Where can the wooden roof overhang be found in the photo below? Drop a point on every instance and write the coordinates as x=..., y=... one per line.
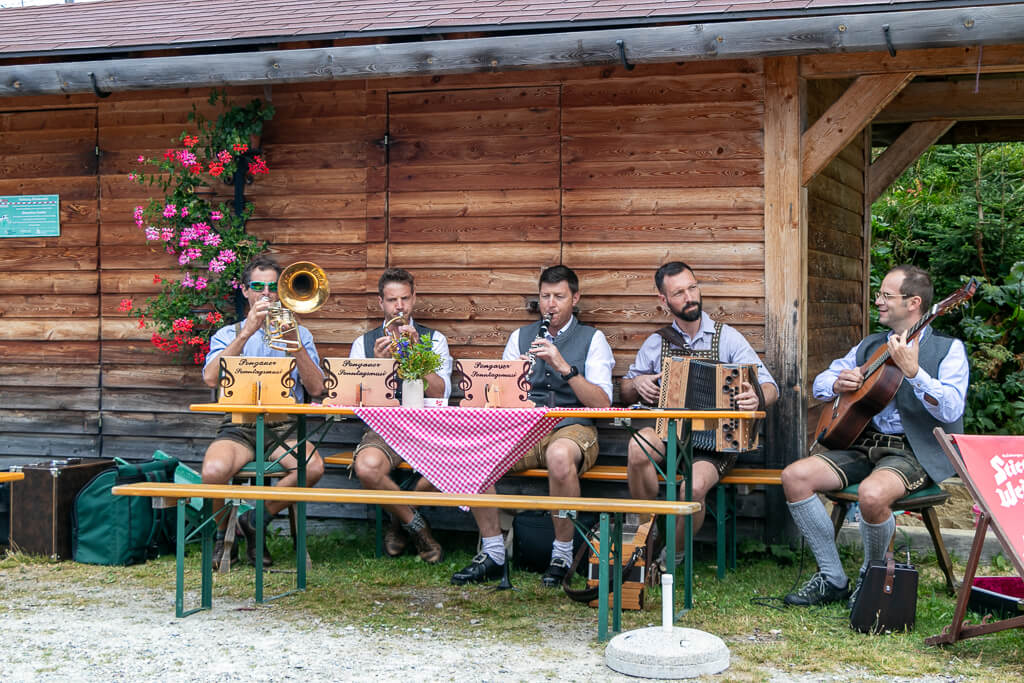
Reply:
x=836, y=35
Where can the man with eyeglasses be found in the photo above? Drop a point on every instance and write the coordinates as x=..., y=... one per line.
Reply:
x=694, y=334
x=235, y=444
x=896, y=454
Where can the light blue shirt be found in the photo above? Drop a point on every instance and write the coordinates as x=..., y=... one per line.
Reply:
x=599, y=364
x=732, y=348
x=438, y=342
x=948, y=389
x=257, y=347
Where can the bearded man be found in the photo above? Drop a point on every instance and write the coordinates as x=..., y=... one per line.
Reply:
x=694, y=334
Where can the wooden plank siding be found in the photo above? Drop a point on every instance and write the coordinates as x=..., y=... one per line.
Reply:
x=474, y=183
x=49, y=298
x=836, y=247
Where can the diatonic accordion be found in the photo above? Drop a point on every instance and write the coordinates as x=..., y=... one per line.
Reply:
x=696, y=384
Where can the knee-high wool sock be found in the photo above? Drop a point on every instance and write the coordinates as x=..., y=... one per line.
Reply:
x=814, y=523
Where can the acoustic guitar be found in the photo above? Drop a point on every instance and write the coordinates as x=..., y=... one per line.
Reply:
x=841, y=424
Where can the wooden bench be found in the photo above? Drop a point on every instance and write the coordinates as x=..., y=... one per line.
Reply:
x=724, y=509
x=181, y=493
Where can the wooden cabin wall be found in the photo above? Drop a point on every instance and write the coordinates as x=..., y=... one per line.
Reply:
x=836, y=248
x=474, y=183
x=49, y=301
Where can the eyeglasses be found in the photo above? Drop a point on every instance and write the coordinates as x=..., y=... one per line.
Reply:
x=258, y=286
x=886, y=296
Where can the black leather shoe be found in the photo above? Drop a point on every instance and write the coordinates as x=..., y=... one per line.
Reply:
x=818, y=591
x=249, y=531
x=555, y=573
x=481, y=569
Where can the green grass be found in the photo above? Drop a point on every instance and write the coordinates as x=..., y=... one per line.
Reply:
x=348, y=585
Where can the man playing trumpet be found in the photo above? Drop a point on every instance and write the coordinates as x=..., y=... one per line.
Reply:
x=235, y=444
x=374, y=459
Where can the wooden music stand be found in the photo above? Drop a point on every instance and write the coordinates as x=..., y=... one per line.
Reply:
x=494, y=383
x=975, y=462
x=251, y=380
x=360, y=381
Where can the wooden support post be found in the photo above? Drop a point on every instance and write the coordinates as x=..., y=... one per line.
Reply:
x=901, y=154
x=785, y=270
x=846, y=118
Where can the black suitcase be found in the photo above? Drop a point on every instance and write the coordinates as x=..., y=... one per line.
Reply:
x=42, y=502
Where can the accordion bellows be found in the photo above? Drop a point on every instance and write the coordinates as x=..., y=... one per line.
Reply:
x=695, y=384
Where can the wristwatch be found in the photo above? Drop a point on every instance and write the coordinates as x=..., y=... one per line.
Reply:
x=573, y=371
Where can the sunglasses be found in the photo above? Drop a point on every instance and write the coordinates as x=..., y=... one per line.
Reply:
x=258, y=286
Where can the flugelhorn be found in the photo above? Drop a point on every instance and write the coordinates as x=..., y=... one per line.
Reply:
x=392, y=328
x=301, y=288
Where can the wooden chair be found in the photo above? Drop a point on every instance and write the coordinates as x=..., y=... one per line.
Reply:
x=923, y=502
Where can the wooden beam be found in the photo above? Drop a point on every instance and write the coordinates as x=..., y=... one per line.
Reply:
x=963, y=100
x=932, y=28
x=785, y=267
x=965, y=59
x=901, y=154
x=846, y=118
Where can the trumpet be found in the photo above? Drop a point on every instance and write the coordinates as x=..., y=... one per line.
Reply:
x=301, y=288
x=392, y=328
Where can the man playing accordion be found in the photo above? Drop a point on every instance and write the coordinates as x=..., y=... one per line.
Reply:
x=694, y=334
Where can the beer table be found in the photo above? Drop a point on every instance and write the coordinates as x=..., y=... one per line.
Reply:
x=434, y=462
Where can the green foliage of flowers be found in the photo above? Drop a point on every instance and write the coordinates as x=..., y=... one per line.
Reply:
x=416, y=360
x=959, y=212
x=209, y=240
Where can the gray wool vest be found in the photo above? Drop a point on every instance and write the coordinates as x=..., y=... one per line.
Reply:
x=918, y=423
x=547, y=386
x=371, y=337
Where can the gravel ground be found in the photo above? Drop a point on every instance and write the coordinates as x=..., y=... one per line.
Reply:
x=113, y=633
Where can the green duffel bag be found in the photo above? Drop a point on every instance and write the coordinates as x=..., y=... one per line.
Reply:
x=122, y=530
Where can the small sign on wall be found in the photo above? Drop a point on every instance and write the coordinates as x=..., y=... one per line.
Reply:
x=30, y=215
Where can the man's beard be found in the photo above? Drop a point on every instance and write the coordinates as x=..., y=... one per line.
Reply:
x=688, y=315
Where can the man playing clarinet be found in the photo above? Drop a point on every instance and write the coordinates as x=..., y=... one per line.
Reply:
x=572, y=367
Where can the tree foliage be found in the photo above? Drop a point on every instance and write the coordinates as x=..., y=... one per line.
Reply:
x=959, y=212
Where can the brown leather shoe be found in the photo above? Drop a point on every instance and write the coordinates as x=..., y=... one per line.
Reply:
x=429, y=550
x=218, y=553
x=245, y=523
x=395, y=539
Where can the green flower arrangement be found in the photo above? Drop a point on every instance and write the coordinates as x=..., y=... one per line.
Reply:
x=416, y=361
x=209, y=240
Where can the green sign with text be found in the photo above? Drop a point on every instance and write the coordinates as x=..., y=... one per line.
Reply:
x=30, y=215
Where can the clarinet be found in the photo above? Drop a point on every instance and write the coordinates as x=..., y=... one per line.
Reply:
x=542, y=333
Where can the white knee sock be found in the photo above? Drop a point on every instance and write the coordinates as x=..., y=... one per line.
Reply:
x=814, y=523
x=494, y=546
x=562, y=549
x=876, y=539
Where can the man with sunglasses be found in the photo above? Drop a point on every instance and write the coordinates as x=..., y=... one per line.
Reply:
x=235, y=444
x=896, y=454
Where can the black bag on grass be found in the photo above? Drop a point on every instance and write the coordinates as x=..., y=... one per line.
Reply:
x=122, y=530
x=533, y=534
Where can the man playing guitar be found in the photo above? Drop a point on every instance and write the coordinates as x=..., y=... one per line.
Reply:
x=895, y=454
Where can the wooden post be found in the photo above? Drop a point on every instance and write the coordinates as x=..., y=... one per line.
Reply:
x=785, y=272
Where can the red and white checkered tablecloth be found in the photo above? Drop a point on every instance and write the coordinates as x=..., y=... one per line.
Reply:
x=460, y=450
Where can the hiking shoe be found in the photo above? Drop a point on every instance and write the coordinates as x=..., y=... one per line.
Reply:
x=663, y=561
x=555, y=573
x=481, y=569
x=856, y=589
x=818, y=591
x=249, y=531
x=429, y=550
x=218, y=553
x=395, y=539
